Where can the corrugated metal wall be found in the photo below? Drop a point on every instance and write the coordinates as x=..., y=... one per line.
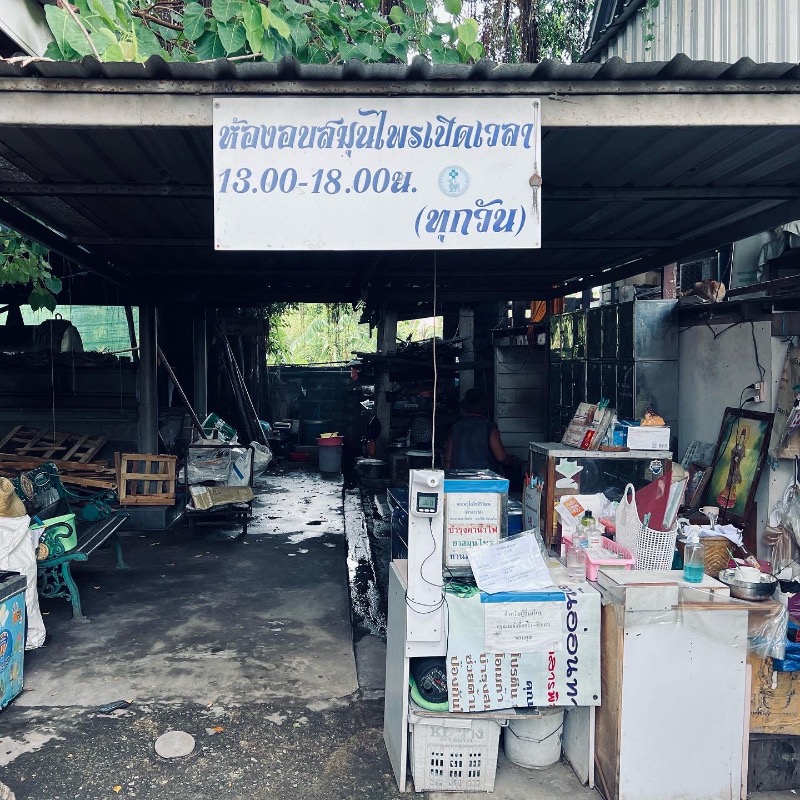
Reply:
x=520, y=399
x=714, y=30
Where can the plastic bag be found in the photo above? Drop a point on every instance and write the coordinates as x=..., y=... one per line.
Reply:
x=262, y=456
x=17, y=555
x=791, y=660
x=766, y=622
x=787, y=511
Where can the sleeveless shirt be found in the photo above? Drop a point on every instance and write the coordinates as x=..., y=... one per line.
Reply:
x=470, y=444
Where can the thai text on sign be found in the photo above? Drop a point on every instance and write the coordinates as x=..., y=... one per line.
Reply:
x=383, y=173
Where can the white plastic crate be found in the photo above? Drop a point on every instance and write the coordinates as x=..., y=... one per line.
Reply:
x=453, y=753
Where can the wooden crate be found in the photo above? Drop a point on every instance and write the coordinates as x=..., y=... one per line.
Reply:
x=78, y=447
x=145, y=479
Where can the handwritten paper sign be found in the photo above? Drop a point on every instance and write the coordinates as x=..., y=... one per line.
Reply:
x=377, y=173
x=523, y=627
x=515, y=565
x=472, y=519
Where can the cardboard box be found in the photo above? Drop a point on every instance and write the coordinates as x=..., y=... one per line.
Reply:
x=648, y=437
x=774, y=699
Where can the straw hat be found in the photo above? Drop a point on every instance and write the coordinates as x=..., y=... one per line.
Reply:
x=10, y=504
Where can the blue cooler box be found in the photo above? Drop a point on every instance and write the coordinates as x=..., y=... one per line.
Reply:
x=12, y=635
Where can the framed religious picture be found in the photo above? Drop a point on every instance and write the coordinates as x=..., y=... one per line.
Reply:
x=699, y=475
x=738, y=459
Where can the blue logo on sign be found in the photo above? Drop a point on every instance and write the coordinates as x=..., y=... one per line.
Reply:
x=453, y=181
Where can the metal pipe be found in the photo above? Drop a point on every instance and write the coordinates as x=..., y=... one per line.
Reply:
x=148, y=380
x=200, y=359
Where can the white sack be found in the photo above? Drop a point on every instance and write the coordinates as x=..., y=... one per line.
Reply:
x=17, y=555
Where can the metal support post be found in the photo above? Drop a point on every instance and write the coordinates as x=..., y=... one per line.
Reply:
x=387, y=344
x=148, y=381
x=200, y=359
x=466, y=330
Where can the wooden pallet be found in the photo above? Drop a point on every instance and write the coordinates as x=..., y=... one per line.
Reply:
x=144, y=479
x=77, y=447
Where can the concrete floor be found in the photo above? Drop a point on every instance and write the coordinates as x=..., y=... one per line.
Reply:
x=245, y=644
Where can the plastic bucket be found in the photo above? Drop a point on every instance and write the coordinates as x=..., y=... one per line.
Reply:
x=330, y=456
x=535, y=742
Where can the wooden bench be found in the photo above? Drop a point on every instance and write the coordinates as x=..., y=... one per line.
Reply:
x=96, y=524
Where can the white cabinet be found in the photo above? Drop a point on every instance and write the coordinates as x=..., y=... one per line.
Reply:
x=673, y=719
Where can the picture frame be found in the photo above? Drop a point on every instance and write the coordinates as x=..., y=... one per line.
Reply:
x=739, y=456
x=699, y=475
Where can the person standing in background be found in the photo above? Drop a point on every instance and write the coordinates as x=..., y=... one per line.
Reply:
x=474, y=441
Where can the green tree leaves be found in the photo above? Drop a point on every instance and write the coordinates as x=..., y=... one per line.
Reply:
x=314, y=31
x=194, y=21
x=24, y=261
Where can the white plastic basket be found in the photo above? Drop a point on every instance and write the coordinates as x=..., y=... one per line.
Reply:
x=652, y=549
x=453, y=754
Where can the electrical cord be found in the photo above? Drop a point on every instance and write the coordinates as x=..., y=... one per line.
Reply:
x=432, y=608
x=761, y=370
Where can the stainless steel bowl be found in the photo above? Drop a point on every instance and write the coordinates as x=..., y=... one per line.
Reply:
x=744, y=590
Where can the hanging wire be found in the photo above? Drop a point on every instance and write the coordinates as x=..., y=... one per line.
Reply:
x=435, y=370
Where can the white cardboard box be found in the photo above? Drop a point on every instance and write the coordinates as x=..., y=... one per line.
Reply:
x=648, y=437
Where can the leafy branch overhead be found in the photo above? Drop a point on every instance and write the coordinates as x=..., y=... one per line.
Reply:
x=314, y=31
x=23, y=261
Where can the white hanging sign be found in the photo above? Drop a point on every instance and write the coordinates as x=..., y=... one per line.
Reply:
x=362, y=173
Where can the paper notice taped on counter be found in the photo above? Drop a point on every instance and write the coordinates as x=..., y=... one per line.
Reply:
x=515, y=565
x=523, y=627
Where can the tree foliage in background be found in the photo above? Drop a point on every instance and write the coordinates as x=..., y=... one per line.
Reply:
x=313, y=31
x=321, y=333
x=515, y=31
x=23, y=261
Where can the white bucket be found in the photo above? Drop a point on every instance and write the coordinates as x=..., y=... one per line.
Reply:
x=535, y=742
x=330, y=458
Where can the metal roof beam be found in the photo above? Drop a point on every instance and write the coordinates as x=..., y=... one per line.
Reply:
x=25, y=189
x=673, y=193
x=27, y=226
x=758, y=222
x=549, y=244
x=205, y=191
x=600, y=105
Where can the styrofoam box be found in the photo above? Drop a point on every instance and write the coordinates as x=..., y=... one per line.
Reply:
x=648, y=437
x=453, y=753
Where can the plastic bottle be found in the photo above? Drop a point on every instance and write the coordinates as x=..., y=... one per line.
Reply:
x=584, y=531
x=596, y=532
x=693, y=559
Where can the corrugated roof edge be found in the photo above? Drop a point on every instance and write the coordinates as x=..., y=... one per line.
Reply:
x=681, y=67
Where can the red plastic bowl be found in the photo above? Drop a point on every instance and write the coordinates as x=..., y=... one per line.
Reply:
x=300, y=456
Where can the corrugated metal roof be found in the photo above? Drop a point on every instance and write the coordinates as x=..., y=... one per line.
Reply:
x=614, y=197
x=679, y=68
x=715, y=30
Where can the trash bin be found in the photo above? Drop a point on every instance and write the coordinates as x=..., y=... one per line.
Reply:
x=330, y=454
